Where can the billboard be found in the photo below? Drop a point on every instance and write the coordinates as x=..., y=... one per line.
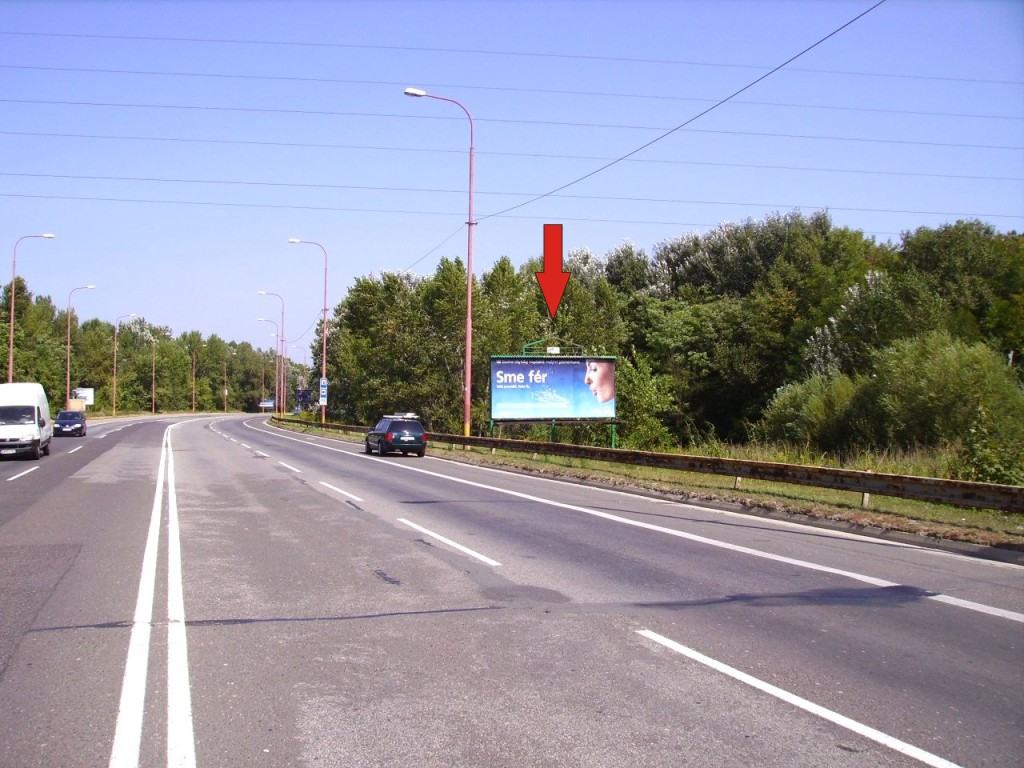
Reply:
x=538, y=388
x=85, y=394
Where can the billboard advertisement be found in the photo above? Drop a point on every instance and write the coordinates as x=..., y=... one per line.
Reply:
x=552, y=388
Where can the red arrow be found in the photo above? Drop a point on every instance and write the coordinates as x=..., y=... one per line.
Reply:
x=553, y=280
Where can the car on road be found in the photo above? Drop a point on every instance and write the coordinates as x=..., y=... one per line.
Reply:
x=397, y=432
x=69, y=423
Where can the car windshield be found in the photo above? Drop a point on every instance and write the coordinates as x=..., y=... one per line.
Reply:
x=17, y=414
x=70, y=416
x=406, y=426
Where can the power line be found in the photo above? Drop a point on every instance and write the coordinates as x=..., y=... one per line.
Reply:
x=422, y=190
x=696, y=117
x=482, y=52
x=548, y=123
x=536, y=155
x=500, y=89
x=407, y=212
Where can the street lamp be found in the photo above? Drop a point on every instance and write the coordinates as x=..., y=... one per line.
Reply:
x=323, y=330
x=67, y=390
x=467, y=382
x=10, y=330
x=277, y=369
x=117, y=328
x=280, y=342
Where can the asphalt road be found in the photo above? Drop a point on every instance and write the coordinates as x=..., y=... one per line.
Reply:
x=217, y=592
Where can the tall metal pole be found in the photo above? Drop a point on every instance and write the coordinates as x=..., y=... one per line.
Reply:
x=277, y=370
x=10, y=329
x=468, y=366
x=283, y=352
x=323, y=329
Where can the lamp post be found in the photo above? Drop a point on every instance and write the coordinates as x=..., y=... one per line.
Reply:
x=323, y=329
x=67, y=369
x=117, y=328
x=277, y=362
x=280, y=343
x=10, y=330
x=467, y=381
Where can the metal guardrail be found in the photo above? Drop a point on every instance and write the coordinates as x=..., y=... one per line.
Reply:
x=1005, y=498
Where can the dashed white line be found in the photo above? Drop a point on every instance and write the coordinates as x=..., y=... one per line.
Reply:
x=76, y=448
x=449, y=542
x=338, y=490
x=21, y=474
x=289, y=466
x=815, y=709
x=937, y=597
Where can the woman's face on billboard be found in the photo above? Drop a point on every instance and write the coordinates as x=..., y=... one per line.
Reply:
x=600, y=377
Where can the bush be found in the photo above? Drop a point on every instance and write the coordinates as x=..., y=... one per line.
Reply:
x=930, y=388
x=815, y=412
x=926, y=392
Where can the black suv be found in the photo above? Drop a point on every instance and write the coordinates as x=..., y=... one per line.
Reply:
x=397, y=432
x=69, y=423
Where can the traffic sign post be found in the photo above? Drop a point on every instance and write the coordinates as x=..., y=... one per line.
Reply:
x=323, y=392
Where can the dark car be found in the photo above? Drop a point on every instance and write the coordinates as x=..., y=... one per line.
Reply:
x=69, y=423
x=397, y=432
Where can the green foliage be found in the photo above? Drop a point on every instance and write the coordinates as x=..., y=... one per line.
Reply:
x=788, y=330
x=926, y=391
x=981, y=458
x=929, y=388
x=815, y=412
x=643, y=399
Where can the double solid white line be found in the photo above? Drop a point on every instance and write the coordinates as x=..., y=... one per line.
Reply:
x=181, y=749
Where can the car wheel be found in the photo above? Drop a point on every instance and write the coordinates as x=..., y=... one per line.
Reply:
x=380, y=448
x=46, y=450
x=368, y=449
x=420, y=453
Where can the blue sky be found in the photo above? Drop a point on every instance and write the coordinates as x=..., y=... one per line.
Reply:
x=175, y=147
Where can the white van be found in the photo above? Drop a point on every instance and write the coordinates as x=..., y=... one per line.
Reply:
x=25, y=422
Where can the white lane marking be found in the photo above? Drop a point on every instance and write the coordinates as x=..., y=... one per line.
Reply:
x=338, y=490
x=129, y=728
x=979, y=607
x=128, y=731
x=181, y=743
x=289, y=466
x=449, y=542
x=21, y=474
x=815, y=709
x=247, y=447
x=76, y=448
x=264, y=455
x=938, y=597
